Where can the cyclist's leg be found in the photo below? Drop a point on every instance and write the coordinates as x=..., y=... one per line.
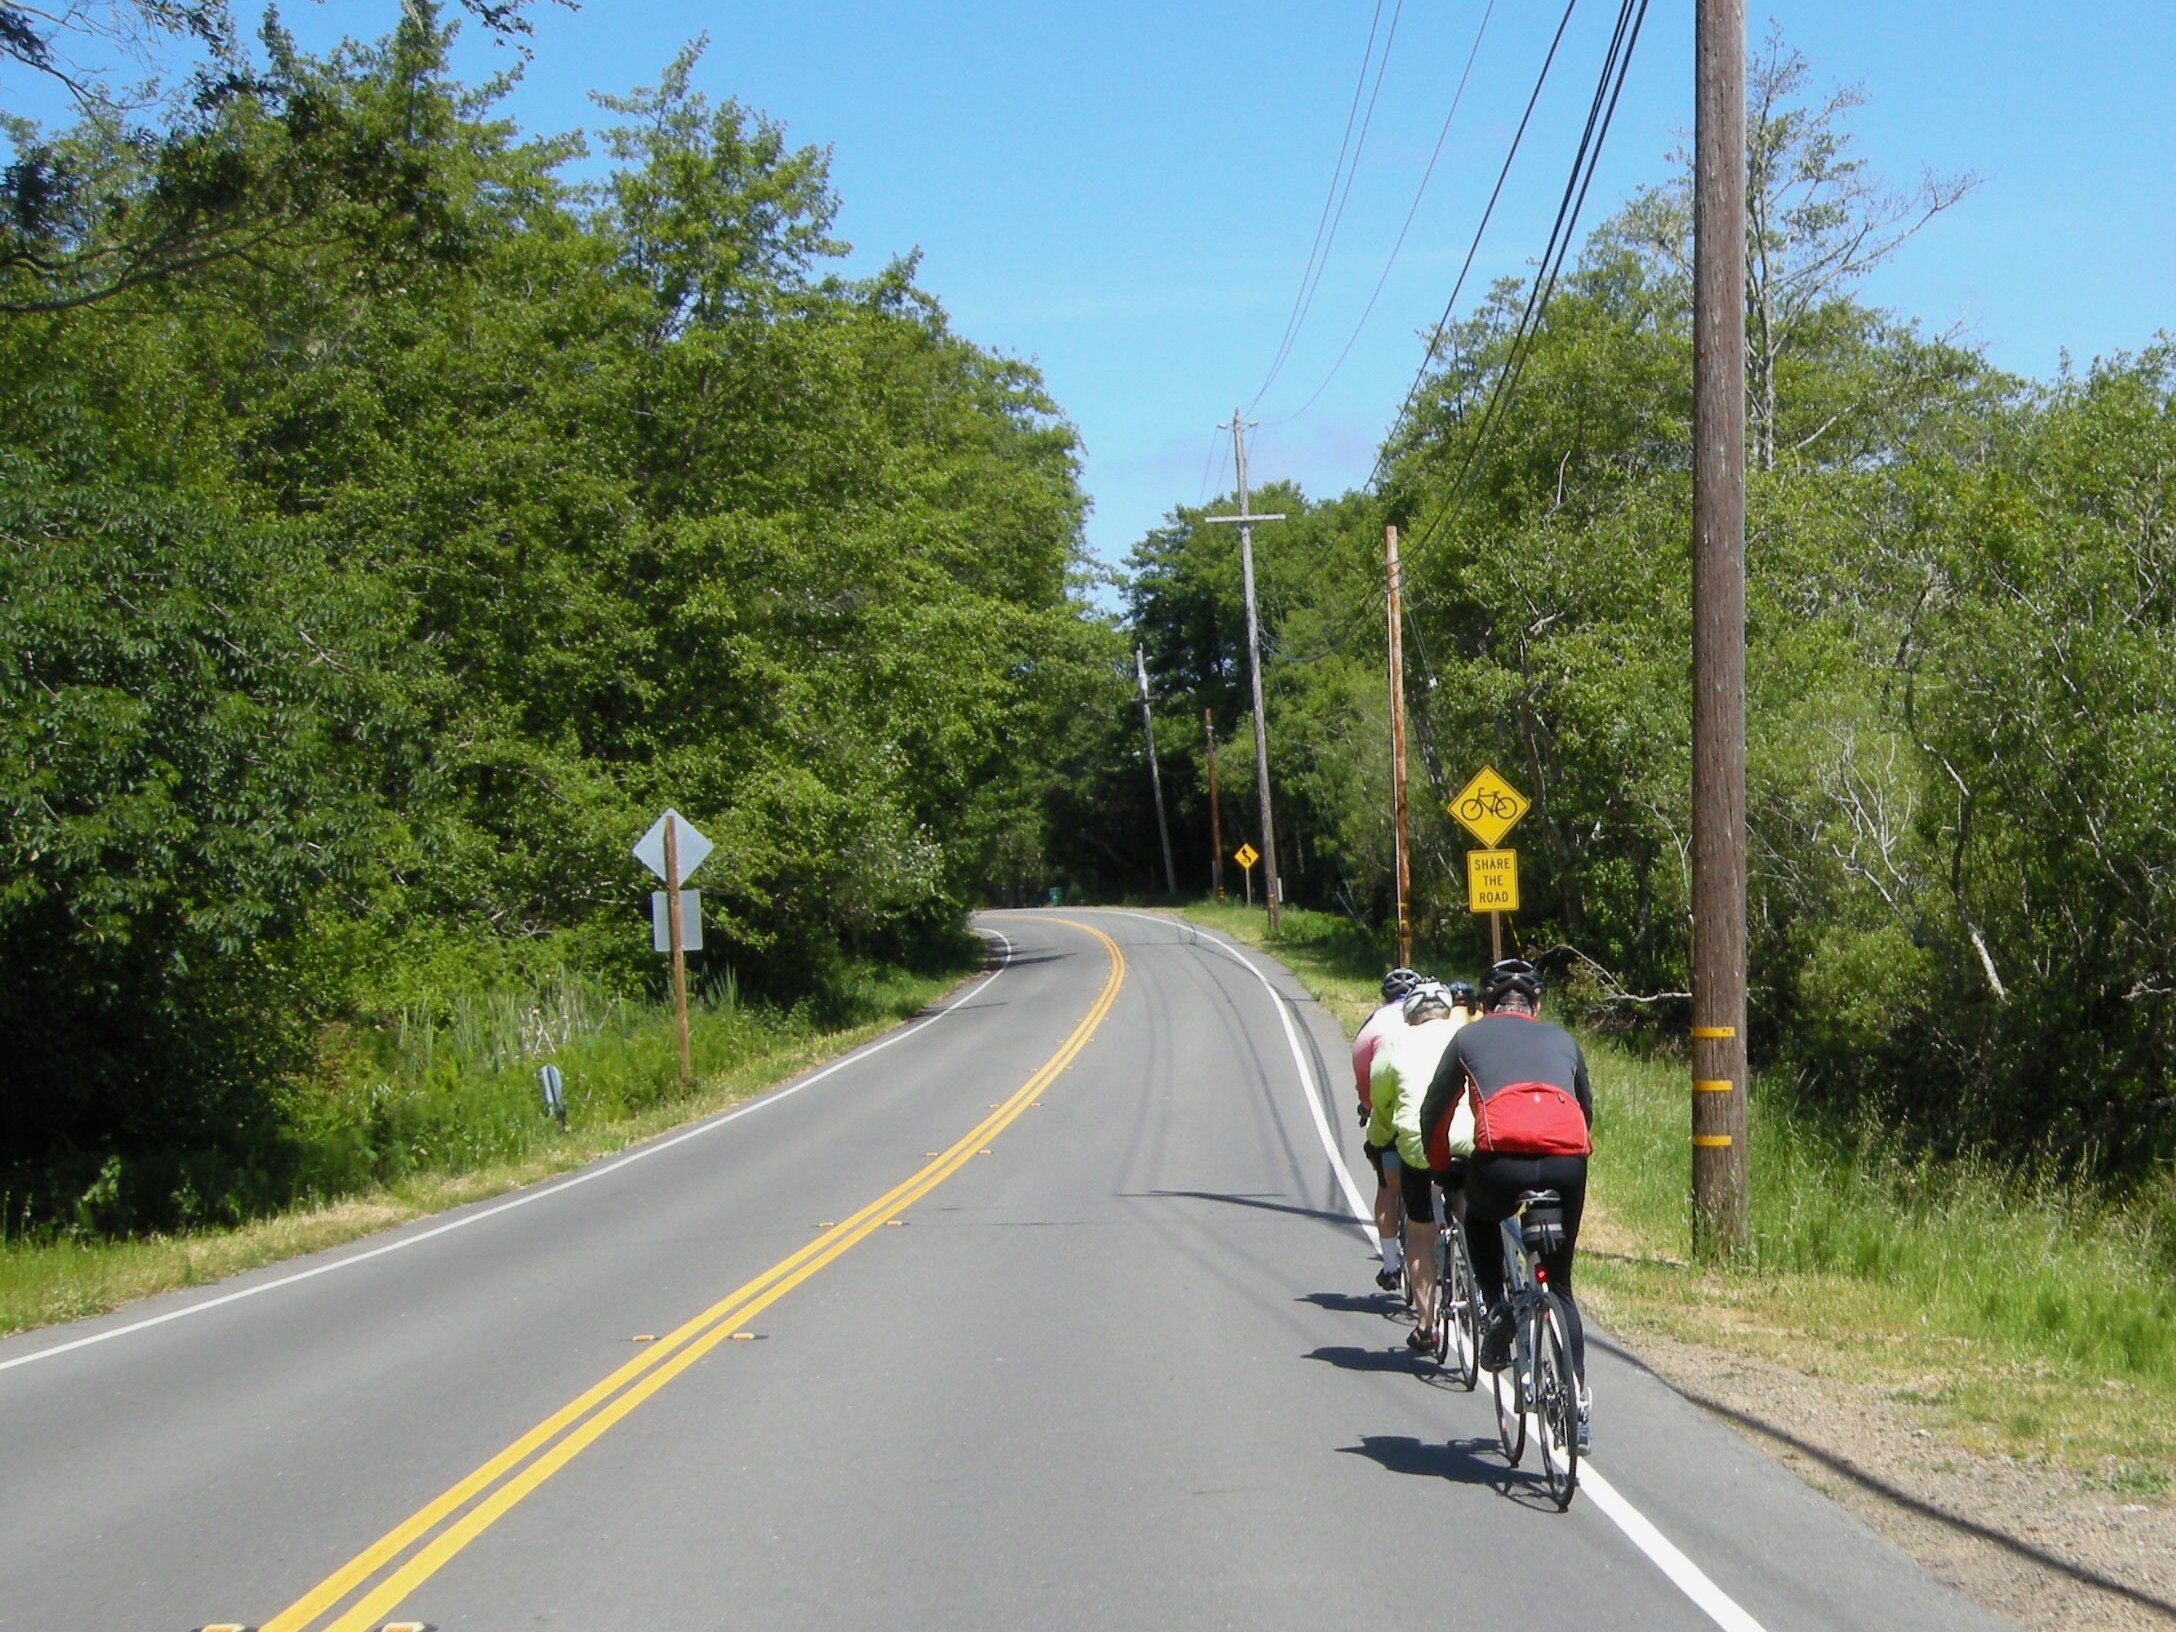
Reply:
x=1388, y=1237
x=1494, y=1182
x=1417, y=1192
x=1567, y=1176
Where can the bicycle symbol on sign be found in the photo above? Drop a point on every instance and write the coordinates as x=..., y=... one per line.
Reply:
x=1504, y=806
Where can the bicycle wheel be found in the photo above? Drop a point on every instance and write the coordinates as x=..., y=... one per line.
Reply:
x=1556, y=1403
x=1458, y=1312
x=1510, y=1411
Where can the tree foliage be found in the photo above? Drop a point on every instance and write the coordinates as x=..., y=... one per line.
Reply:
x=1961, y=667
x=373, y=576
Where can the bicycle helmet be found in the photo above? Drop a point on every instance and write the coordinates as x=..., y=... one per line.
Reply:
x=1400, y=982
x=1511, y=975
x=1463, y=995
x=1427, y=1001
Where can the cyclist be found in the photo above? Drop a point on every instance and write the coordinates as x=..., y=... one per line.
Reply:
x=1398, y=984
x=1533, y=1110
x=1405, y=1063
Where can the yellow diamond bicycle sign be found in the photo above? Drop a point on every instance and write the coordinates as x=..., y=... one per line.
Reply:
x=1488, y=807
x=1246, y=855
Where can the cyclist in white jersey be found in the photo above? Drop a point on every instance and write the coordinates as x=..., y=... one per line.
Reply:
x=1404, y=1064
x=1398, y=984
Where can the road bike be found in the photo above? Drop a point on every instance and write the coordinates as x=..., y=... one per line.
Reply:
x=1540, y=1382
x=1458, y=1308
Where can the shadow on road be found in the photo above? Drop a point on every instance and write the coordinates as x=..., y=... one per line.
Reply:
x=1386, y=1304
x=1347, y=1358
x=1461, y=1461
x=1261, y=1201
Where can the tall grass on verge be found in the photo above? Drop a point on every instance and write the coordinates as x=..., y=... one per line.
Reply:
x=2036, y=1309
x=437, y=1106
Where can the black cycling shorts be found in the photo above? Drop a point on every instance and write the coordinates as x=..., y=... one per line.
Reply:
x=1376, y=1153
x=1418, y=1188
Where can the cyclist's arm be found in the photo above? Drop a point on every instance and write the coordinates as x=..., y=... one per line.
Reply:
x=1444, y=1090
x=1383, y=1105
x=1363, y=1061
x=1582, y=1090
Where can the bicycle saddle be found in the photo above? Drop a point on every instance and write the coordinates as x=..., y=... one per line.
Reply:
x=1539, y=1198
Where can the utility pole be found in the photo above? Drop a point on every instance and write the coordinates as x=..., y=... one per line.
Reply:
x=676, y=936
x=1246, y=521
x=1718, y=635
x=1216, y=826
x=1155, y=776
x=1397, y=744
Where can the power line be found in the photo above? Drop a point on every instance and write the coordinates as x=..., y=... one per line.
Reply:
x=1418, y=194
x=1311, y=275
x=1435, y=339
x=1601, y=112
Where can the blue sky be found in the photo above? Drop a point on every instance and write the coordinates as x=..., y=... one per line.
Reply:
x=1126, y=193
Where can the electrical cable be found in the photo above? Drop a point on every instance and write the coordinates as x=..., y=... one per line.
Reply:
x=1305, y=300
x=1601, y=113
x=1435, y=339
x=1419, y=193
x=1367, y=56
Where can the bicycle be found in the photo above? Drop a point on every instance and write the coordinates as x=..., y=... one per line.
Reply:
x=1458, y=1309
x=1540, y=1382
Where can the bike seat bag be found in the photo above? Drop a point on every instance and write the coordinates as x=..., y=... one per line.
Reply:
x=1543, y=1229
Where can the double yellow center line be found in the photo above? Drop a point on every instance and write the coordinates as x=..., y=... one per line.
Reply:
x=419, y=1546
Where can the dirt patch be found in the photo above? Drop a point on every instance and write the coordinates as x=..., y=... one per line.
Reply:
x=2048, y=1549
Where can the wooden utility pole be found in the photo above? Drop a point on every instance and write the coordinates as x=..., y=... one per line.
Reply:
x=1397, y=744
x=1216, y=825
x=676, y=939
x=1155, y=777
x=1718, y=637
x=1245, y=521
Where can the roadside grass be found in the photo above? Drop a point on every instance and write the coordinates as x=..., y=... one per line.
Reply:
x=451, y=1114
x=2033, y=1317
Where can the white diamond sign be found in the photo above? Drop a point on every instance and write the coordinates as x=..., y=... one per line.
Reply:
x=692, y=846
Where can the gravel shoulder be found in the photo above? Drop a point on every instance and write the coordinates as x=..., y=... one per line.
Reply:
x=2040, y=1546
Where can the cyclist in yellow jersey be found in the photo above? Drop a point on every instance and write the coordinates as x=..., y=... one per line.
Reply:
x=1404, y=1063
x=1398, y=985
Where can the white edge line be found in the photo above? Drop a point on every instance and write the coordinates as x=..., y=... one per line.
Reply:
x=557, y=1187
x=1684, y=1574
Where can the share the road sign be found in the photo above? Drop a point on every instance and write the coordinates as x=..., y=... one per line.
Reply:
x=1492, y=881
x=1488, y=807
x=1246, y=855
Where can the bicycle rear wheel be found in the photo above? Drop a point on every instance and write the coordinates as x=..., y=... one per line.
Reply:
x=1458, y=1316
x=1556, y=1403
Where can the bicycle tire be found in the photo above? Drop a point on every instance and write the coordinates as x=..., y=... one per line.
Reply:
x=1458, y=1313
x=1556, y=1403
x=1510, y=1418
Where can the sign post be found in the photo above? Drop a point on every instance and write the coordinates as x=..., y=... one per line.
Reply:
x=672, y=849
x=1488, y=807
x=1246, y=855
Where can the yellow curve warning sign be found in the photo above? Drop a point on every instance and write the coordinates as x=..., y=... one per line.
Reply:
x=1492, y=880
x=1246, y=855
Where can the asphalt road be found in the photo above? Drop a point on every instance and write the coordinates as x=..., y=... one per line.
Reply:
x=1048, y=1310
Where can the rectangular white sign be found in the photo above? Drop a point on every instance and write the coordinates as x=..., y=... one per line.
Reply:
x=691, y=922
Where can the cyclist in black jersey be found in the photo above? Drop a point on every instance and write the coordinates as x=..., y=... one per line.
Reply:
x=1533, y=1109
